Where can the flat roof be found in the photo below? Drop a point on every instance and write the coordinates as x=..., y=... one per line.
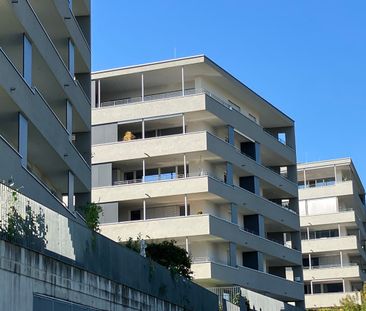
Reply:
x=191, y=60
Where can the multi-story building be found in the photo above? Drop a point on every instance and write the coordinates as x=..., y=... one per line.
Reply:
x=45, y=106
x=332, y=210
x=182, y=150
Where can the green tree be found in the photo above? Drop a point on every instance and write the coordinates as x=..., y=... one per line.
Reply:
x=166, y=253
x=91, y=213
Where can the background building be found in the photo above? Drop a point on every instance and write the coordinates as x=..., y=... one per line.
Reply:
x=182, y=150
x=332, y=209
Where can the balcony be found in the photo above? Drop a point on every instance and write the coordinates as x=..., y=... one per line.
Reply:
x=190, y=93
x=197, y=226
x=186, y=143
x=331, y=244
x=267, y=284
x=335, y=271
x=340, y=188
x=328, y=299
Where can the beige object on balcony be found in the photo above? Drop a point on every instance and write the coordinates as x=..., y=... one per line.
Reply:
x=128, y=136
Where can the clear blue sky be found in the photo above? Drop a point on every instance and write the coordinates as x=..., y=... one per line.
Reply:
x=307, y=57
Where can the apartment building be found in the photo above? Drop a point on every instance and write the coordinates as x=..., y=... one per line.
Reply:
x=45, y=101
x=332, y=210
x=182, y=150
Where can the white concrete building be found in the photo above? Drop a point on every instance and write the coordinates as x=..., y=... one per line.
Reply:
x=333, y=214
x=182, y=150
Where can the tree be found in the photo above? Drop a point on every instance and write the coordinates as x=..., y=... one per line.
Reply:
x=166, y=253
x=91, y=213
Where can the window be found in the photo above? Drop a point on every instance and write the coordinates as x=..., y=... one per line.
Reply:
x=333, y=287
x=168, y=173
x=282, y=138
x=27, y=60
x=71, y=54
x=304, y=235
x=307, y=288
x=301, y=185
x=128, y=176
x=135, y=215
x=317, y=289
x=182, y=210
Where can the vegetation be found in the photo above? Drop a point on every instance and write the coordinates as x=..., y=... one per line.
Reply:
x=91, y=212
x=30, y=229
x=166, y=253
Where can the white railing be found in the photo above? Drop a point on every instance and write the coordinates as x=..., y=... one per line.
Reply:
x=162, y=177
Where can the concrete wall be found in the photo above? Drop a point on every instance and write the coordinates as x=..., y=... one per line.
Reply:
x=71, y=243
x=32, y=281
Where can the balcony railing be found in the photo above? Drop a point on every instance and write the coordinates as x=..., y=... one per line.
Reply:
x=331, y=266
x=187, y=92
x=161, y=177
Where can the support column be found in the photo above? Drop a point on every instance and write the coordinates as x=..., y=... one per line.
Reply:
x=183, y=82
x=341, y=258
x=335, y=174
x=308, y=232
x=187, y=245
x=142, y=88
x=143, y=128
x=339, y=230
x=304, y=178
x=23, y=139
x=344, y=286
x=99, y=100
x=232, y=254
x=185, y=205
x=229, y=174
x=185, y=165
x=309, y=256
x=144, y=209
x=183, y=124
x=93, y=99
x=69, y=119
x=230, y=135
x=143, y=170
x=234, y=213
x=70, y=191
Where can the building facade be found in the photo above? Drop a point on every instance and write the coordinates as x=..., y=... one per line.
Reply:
x=45, y=106
x=182, y=150
x=332, y=210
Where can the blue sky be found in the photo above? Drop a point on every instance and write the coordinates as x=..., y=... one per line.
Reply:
x=307, y=57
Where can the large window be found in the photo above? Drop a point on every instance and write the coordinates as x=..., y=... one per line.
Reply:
x=321, y=234
x=27, y=60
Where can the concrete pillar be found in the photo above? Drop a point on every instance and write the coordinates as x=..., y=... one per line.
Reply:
x=70, y=191
x=185, y=205
x=185, y=165
x=143, y=170
x=183, y=81
x=234, y=213
x=93, y=98
x=143, y=128
x=23, y=139
x=229, y=174
x=232, y=254
x=142, y=88
x=230, y=135
x=183, y=124
x=69, y=119
x=144, y=209
x=99, y=94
